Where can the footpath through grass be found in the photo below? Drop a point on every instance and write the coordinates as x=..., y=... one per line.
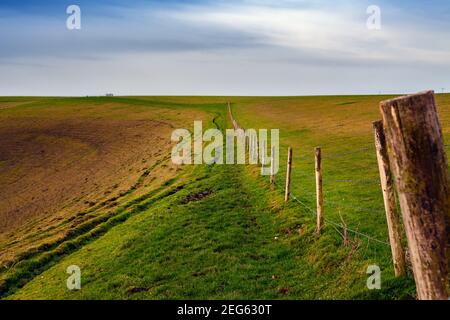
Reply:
x=215, y=238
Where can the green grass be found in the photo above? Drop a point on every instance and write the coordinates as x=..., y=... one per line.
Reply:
x=229, y=245
x=342, y=127
x=241, y=241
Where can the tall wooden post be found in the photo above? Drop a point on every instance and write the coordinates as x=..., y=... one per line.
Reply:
x=419, y=164
x=272, y=169
x=288, y=176
x=387, y=186
x=319, y=191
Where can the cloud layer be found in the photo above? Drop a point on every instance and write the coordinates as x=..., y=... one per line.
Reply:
x=224, y=47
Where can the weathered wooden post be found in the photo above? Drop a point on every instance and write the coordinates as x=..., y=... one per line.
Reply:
x=387, y=186
x=272, y=169
x=319, y=190
x=288, y=176
x=419, y=164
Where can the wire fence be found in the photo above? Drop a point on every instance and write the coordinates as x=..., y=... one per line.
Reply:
x=366, y=150
x=340, y=192
x=339, y=225
x=365, y=164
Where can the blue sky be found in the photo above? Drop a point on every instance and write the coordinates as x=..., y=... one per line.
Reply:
x=248, y=47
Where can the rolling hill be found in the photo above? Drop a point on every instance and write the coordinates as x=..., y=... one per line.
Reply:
x=89, y=182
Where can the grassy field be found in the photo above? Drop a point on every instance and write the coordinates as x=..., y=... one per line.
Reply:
x=342, y=127
x=211, y=232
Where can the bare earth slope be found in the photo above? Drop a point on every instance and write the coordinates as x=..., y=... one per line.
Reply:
x=65, y=158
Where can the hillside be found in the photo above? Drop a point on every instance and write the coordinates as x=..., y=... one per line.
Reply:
x=89, y=182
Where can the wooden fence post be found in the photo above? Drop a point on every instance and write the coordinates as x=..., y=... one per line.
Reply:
x=419, y=164
x=390, y=205
x=319, y=190
x=272, y=169
x=288, y=176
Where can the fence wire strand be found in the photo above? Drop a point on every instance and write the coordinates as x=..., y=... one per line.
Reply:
x=335, y=225
x=339, y=225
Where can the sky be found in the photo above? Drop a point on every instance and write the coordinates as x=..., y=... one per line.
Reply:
x=205, y=47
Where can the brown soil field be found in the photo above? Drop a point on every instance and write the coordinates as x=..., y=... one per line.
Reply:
x=62, y=164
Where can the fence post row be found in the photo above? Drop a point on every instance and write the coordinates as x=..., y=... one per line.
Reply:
x=387, y=185
x=319, y=190
x=288, y=175
x=419, y=164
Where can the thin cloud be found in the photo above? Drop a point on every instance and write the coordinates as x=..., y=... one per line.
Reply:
x=224, y=47
x=336, y=32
